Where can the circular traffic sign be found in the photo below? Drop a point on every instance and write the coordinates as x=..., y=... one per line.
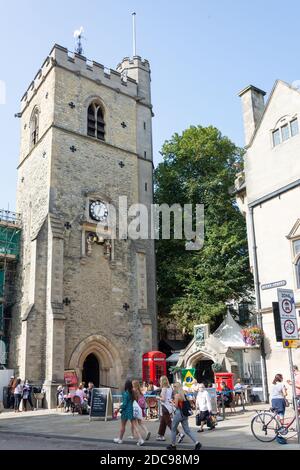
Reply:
x=289, y=327
x=287, y=306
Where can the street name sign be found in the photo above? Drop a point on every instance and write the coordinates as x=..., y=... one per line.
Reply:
x=273, y=285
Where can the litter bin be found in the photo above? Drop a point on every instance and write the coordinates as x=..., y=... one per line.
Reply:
x=226, y=377
x=6, y=403
x=39, y=397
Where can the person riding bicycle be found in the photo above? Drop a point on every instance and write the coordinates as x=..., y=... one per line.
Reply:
x=278, y=394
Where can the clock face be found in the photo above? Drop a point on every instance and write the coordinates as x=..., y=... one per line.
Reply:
x=98, y=211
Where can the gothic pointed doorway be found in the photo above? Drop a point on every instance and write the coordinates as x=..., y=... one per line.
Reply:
x=204, y=372
x=91, y=370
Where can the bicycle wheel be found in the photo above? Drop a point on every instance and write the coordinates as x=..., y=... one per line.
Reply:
x=264, y=426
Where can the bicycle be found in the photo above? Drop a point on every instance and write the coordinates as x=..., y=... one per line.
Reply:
x=266, y=426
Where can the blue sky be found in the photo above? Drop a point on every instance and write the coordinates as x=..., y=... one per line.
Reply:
x=202, y=53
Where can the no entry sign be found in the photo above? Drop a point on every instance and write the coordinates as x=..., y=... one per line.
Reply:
x=287, y=311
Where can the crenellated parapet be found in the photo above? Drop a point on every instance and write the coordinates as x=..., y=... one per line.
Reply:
x=129, y=62
x=81, y=66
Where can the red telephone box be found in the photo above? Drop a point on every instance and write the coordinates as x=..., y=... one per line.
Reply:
x=154, y=366
x=226, y=377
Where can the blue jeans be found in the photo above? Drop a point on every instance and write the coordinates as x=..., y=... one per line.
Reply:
x=178, y=418
x=279, y=405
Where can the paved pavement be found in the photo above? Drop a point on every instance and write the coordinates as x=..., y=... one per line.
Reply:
x=58, y=430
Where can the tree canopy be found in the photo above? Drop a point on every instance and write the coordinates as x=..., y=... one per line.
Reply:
x=200, y=166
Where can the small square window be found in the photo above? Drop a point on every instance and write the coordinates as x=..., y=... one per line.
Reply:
x=285, y=132
x=276, y=137
x=294, y=127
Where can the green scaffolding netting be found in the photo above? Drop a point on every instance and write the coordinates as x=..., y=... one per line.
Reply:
x=1, y=283
x=1, y=317
x=10, y=240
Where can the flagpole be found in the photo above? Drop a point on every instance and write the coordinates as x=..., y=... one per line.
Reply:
x=134, y=33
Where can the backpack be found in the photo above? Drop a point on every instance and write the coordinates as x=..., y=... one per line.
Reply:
x=137, y=410
x=186, y=409
x=142, y=402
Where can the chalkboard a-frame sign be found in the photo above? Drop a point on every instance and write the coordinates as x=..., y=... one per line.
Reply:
x=101, y=403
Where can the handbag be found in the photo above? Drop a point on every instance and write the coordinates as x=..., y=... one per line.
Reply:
x=137, y=410
x=198, y=421
x=210, y=422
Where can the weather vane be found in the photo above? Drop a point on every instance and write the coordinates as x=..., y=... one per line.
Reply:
x=78, y=36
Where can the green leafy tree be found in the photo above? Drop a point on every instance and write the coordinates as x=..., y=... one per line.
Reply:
x=200, y=166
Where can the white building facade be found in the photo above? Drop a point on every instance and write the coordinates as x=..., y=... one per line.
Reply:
x=268, y=193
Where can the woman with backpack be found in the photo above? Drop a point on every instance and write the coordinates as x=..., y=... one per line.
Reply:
x=140, y=399
x=127, y=414
x=166, y=410
x=181, y=415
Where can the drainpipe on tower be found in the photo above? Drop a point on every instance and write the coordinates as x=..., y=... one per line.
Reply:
x=258, y=306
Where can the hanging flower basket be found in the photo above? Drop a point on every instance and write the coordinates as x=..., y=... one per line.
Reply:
x=252, y=336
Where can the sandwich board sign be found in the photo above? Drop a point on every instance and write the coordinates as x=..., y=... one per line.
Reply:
x=101, y=404
x=287, y=312
x=212, y=392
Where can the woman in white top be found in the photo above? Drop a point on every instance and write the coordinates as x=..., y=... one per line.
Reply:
x=18, y=395
x=203, y=405
x=167, y=408
x=278, y=394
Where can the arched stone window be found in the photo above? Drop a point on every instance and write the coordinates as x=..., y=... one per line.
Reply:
x=34, y=127
x=95, y=121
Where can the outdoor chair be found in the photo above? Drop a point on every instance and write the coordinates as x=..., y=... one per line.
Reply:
x=152, y=407
x=76, y=405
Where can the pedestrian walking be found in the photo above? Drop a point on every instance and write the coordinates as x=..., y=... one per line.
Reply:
x=18, y=395
x=127, y=414
x=89, y=392
x=166, y=410
x=182, y=406
x=139, y=397
x=203, y=406
x=297, y=382
x=26, y=395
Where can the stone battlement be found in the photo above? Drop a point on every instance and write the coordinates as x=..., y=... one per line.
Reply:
x=61, y=57
x=128, y=62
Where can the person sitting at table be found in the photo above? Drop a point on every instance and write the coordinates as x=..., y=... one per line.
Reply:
x=238, y=392
x=83, y=398
x=227, y=398
x=151, y=389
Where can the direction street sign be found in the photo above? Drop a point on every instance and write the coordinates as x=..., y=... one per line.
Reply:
x=272, y=285
x=288, y=316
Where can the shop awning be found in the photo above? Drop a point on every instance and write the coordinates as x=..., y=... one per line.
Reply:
x=173, y=358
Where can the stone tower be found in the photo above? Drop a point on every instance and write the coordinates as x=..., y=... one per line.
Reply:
x=85, y=302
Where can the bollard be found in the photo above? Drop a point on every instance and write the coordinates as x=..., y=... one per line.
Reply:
x=243, y=400
x=223, y=406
